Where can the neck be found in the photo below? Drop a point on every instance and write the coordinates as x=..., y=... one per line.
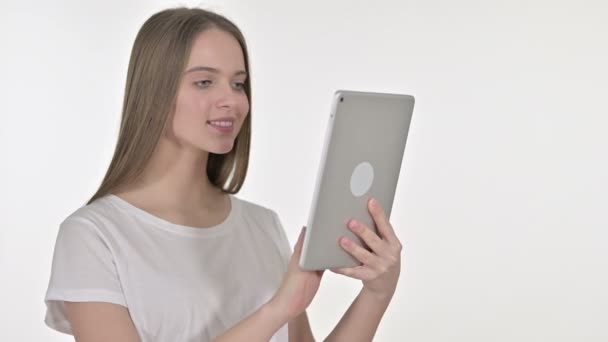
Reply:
x=176, y=177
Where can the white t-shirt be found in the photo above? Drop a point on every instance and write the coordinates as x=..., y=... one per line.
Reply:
x=179, y=283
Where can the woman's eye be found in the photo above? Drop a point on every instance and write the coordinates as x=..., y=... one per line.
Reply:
x=203, y=83
x=239, y=85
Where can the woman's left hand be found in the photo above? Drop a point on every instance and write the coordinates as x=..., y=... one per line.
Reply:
x=382, y=266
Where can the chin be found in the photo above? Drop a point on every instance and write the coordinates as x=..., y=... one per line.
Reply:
x=221, y=149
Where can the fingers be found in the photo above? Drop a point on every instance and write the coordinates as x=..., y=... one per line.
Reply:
x=359, y=272
x=297, y=249
x=374, y=266
x=385, y=246
x=363, y=255
x=385, y=229
x=368, y=236
x=297, y=253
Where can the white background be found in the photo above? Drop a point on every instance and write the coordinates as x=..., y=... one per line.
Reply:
x=502, y=201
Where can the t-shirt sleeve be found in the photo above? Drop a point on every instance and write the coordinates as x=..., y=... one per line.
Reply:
x=282, y=241
x=83, y=270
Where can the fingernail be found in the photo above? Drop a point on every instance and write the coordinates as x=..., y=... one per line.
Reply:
x=352, y=224
x=345, y=242
x=373, y=202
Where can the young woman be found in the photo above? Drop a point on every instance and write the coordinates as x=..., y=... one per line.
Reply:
x=164, y=250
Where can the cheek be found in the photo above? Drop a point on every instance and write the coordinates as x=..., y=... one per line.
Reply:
x=244, y=105
x=190, y=108
x=188, y=115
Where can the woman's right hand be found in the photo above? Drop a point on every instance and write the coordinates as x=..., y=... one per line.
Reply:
x=298, y=287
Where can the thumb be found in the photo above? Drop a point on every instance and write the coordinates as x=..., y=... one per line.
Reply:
x=297, y=249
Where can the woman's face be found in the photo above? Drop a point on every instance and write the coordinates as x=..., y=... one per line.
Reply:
x=211, y=101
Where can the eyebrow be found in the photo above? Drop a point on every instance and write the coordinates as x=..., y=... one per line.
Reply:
x=212, y=70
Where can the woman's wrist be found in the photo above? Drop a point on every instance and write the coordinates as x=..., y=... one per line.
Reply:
x=259, y=326
x=382, y=297
x=273, y=312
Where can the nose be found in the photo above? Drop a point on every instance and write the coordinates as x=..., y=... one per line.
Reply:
x=227, y=96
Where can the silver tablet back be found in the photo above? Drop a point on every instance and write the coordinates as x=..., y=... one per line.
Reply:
x=364, y=146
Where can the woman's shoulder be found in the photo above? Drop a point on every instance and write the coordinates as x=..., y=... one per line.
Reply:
x=264, y=218
x=248, y=207
x=97, y=213
x=267, y=220
x=108, y=213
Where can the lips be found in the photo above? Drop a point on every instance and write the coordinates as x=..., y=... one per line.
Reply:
x=225, y=118
x=221, y=123
x=223, y=127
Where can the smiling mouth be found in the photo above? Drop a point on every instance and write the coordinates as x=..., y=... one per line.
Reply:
x=221, y=123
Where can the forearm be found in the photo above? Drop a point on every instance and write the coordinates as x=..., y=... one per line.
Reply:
x=361, y=320
x=259, y=326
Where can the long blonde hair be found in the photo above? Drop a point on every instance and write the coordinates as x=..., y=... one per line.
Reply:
x=158, y=58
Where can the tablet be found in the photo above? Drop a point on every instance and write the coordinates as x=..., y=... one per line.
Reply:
x=361, y=158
